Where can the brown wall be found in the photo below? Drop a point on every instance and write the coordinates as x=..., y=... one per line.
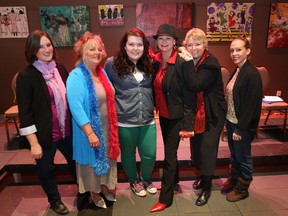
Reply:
x=12, y=50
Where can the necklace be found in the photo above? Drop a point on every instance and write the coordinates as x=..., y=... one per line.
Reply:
x=95, y=78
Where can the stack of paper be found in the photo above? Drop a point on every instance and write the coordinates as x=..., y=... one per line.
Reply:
x=271, y=99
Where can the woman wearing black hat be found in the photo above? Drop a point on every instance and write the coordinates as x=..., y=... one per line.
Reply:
x=171, y=99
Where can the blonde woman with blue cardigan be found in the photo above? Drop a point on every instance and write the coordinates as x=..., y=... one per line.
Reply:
x=94, y=121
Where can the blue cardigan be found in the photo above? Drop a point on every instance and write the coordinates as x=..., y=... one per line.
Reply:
x=78, y=100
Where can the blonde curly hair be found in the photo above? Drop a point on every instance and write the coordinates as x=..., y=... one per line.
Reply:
x=82, y=41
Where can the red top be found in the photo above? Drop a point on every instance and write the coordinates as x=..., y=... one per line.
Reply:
x=161, y=105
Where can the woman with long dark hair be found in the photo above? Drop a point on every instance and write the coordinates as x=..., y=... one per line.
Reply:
x=131, y=74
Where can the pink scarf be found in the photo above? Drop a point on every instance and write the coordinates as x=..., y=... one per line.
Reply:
x=52, y=77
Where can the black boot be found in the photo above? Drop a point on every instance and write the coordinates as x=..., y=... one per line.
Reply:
x=82, y=200
x=206, y=184
x=197, y=184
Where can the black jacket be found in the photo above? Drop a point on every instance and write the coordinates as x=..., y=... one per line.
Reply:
x=180, y=101
x=209, y=80
x=247, y=95
x=34, y=102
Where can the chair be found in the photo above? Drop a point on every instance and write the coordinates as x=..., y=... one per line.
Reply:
x=277, y=106
x=12, y=112
x=225, y=77
x=266, y=80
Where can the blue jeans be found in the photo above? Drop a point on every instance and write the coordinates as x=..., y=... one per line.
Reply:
x=46, y=167
x=241, y=158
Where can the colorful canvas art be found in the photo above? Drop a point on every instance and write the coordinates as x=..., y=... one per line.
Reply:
x=149, y=16
x=111, y=15
x=65, y=24
x=13, y=22
x=278, y=26
x=226, y=21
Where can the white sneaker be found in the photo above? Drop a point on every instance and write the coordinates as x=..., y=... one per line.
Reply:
x=137, y=188
x=148, y=185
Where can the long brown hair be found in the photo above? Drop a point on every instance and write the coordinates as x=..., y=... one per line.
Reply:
x=123, y=65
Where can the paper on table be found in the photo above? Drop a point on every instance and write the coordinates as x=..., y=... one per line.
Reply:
x=271, y=99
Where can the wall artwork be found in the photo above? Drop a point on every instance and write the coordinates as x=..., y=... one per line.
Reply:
x=226, y=21
x=65, y=24
x=13, y=21
x=278, y=26
x=111, y=15
x=149, y=16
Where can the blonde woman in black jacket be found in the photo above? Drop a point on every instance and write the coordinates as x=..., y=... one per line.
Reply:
x=202, y=75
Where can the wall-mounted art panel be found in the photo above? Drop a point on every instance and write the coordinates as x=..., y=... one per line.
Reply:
x=149, y=16
x=13, y=22
x=65, y=24
x=111, y=15
x=278, y=26
x=229, y=20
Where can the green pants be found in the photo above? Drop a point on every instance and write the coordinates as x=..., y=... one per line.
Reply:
x=143, y=137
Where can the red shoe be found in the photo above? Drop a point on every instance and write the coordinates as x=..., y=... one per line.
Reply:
x=158, y=207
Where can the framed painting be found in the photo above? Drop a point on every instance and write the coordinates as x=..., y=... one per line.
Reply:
x=65, y=24
x=13, y=22
x=149, y=16
x=278, y=26
x=111, y=15
x=226, y=21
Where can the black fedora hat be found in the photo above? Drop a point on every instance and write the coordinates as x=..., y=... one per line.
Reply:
x=166, y=29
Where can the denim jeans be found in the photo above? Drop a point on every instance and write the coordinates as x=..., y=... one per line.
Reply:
x=241, y=158
x=46, y=167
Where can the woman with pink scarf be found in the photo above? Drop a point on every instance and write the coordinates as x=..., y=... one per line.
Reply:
x=44, y=114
